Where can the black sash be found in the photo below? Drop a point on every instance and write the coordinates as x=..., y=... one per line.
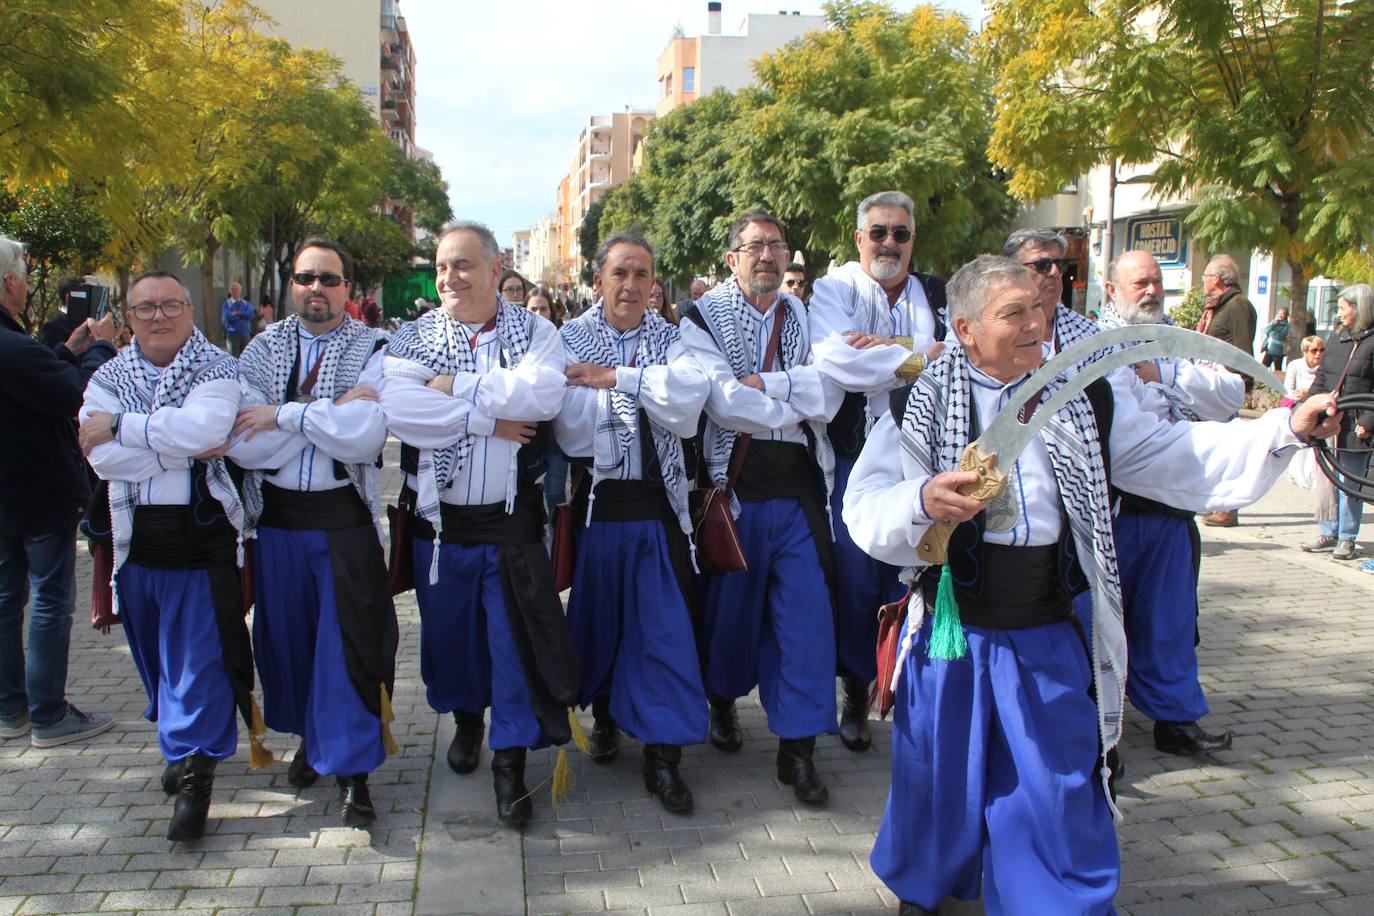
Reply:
x=471, y=526
x=323, y=510
x=172, y=537
x=1019, y=588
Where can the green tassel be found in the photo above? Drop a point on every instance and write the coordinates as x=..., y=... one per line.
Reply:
x=946, y=633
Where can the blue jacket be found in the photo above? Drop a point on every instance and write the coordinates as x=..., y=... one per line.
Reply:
x=238, y=317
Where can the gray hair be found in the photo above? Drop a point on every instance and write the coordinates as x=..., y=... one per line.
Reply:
x=1361, y=299
x=1041, y=238
x=490, y=247
x=971, y=284
x=603, y=251
x=886, y=199
x=159, y=275
x=758, y=215
x=1223, y=267
x=12, y=259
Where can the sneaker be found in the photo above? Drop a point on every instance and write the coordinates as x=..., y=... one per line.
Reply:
x=1322, y=543
x=1345, y=550
x=16, y=728
x=75, y=726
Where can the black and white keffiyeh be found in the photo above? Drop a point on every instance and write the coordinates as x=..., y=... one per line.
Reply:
x=265, y=371
x=1178, y=410
x=734, y=324
x=128, y=378
x=589, y=339
x=872, y=312
x=935, y=433
x=1071, y=327
x=440, y=344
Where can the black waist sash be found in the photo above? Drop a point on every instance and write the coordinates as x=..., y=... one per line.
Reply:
x=171, y=537
x=631, y=501
x=539, y=628
x=470, y=526
x=1019, y=588
x=322, y=510
x=1129, y=502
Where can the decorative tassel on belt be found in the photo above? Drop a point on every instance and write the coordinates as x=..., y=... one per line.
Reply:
x=387, y=716
x=946, y=630
x=259, y=756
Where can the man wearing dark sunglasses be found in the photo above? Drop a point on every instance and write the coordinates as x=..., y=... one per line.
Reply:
x=1044, y=251
x=324, y=631
x=874, y=326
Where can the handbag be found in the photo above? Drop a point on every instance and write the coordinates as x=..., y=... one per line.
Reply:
x=401, y=561
x=891, y=625
x=713, y=524
x=96, y=527
x=563, y=552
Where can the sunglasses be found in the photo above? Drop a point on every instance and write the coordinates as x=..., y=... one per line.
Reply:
x=307, y=278
x=900, y=234
x=1044, y=265
x=792, y=282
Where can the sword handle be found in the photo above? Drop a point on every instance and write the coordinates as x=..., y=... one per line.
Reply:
x=933, y=549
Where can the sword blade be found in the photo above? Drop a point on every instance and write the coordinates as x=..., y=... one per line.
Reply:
x=1006, y=436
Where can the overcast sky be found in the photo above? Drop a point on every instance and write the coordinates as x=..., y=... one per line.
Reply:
x=504, y=87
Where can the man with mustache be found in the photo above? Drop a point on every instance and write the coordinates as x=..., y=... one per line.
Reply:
x=772, y=624
x=874, y=326
x=324, y=632
x=1044, y=252
x=1157, y=546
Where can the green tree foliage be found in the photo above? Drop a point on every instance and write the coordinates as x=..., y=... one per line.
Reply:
x=589, y=238
x=1258, y=110
x=879, y=101
x=62, y=233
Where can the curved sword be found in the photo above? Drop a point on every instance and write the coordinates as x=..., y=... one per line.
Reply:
x=1006, y=436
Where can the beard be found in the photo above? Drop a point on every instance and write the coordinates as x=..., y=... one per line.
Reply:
x=885, y=267
x=1145, y=310
x=763, y=282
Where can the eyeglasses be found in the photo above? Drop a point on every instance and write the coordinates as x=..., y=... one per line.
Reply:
x=776, y=247
x=308, y=278
x=1044, y=265
x=147, y=311
x=1316, y=349
x=900, y=234
x=793, y=282
x=513, y=290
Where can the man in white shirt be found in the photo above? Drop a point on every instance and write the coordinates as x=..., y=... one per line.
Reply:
x=465, y=386
x=310, y=434
x=873, y=327
x=1002, y=714
x=634, y=393
x=773, y=624
x=155, y=424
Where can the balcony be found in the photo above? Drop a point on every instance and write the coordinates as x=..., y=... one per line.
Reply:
x=389, y=113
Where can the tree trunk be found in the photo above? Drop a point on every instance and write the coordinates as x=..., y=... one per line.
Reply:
x=214, y=321
x=1297, y=310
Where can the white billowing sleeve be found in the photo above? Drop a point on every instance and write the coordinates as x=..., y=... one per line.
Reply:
x=424, y=417
x=113, y=461
x=809, y=392
x=352, y=433
x=1210, y=391
x=731, y=404
x=1198, y=467
x=831, y=316
x=575, y=426
x=882, y=506
x=672, y=395
x=531, y=391
x=200, y=424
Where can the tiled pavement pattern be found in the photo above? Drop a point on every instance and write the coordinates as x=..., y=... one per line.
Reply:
x=1278, y=824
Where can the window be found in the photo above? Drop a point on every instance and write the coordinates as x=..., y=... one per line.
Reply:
x=689, y=79
x=667, y=85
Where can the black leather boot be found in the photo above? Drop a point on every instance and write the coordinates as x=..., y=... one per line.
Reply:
x=1188, y=738
x=192, y=805
x=915, y=909
x=605, y=737
x=357, y=801
x=795, y=769
x=661, y=777
x=171, y=777
x=301, y=774
x=466, y=747
x=725, y=733
x=513, y=805
x=854, y=715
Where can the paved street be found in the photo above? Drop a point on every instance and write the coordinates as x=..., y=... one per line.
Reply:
x=1279, y=824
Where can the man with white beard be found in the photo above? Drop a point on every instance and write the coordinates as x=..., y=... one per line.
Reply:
x=1158, y=547
x=874, y=326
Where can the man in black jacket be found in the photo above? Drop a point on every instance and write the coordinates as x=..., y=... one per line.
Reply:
x=43, y=490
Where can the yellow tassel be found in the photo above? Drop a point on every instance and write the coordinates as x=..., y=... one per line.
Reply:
x=562, y=778
x=259, y=757
x=579, y=737
x=388, y=742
